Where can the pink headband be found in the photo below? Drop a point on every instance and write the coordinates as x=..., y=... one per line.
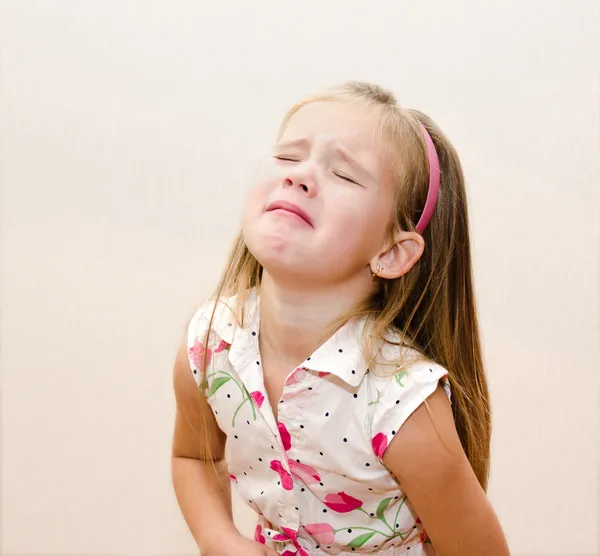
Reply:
x=434, y=183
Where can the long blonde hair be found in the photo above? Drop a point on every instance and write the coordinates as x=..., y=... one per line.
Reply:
x=433, y=305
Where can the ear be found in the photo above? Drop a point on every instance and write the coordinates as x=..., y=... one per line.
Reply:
x=398, y=259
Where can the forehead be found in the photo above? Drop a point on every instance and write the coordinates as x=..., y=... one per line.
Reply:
x=350, y=125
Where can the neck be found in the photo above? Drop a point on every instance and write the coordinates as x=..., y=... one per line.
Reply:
x=294, y=321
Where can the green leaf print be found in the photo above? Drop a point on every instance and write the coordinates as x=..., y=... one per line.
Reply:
x=360, y=540
x=399, y=376
x=217, y=383
x=382, y=507
x=373, y=402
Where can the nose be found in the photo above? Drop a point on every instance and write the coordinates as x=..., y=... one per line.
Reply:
x=301, y=178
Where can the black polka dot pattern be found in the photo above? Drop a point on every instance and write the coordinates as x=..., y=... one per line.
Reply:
x=313, y=397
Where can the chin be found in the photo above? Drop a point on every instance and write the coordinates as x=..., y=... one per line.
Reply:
x=273, y=251
x=278, y=255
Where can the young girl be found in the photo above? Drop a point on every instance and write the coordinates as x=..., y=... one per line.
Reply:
x=340, y=355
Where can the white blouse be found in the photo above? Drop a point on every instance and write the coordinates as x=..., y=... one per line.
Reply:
x=313, y=473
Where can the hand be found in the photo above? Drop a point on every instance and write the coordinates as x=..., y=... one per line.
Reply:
x=237, y=545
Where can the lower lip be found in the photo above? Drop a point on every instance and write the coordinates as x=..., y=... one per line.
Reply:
x=291, y=214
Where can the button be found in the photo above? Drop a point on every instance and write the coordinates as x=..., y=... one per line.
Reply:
x=300, y=375
x=290, y=411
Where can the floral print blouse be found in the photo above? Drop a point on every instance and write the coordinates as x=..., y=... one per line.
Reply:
x=313, y=472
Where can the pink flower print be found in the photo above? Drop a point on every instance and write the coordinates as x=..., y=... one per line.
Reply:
x=196, y=353
x=287, y=535
x=258, y=398
x=286, y=478
x=286, y=439
x=304, y=473
x=379, y=444
x=232, y=477
x=342, y=502
x=290, y=533
x=423, y=537
x=258, y=537
x=321, y=532
x=223, y=345
x=296, y=376
x=198, y=350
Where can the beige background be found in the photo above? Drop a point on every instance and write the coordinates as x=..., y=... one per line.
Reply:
x=129, y=132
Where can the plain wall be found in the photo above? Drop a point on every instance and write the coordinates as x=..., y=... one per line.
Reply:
x=129, y=132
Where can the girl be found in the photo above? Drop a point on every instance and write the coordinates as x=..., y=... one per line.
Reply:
x=340, y=356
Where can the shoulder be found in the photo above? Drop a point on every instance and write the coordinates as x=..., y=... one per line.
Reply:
x=410, y=378
x=398, y=394
x=210, y=327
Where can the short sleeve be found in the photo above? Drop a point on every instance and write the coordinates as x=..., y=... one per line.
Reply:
x=217, y=342
x=196, y=339
x=399, y=396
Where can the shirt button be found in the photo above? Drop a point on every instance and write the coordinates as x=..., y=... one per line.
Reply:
x=300, y=376
x=290, y=411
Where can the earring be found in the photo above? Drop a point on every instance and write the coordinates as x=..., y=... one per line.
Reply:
x=378, y=269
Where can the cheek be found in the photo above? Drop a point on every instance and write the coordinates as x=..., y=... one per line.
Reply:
x=256, y=199
x=360, y=222
x=261, y=187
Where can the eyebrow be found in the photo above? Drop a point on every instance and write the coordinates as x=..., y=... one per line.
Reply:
x=346, y=156
x=341, y=152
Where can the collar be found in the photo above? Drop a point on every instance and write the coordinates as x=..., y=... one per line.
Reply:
x=341, y=355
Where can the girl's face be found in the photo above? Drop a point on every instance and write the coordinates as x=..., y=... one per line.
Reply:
x=319, y=208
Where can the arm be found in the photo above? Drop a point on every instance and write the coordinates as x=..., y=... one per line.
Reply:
x=427, y=458
x=203, y=491
x=203, y=496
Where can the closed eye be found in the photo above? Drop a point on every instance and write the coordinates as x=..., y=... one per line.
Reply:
x=346, y=178
x=286, y=158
